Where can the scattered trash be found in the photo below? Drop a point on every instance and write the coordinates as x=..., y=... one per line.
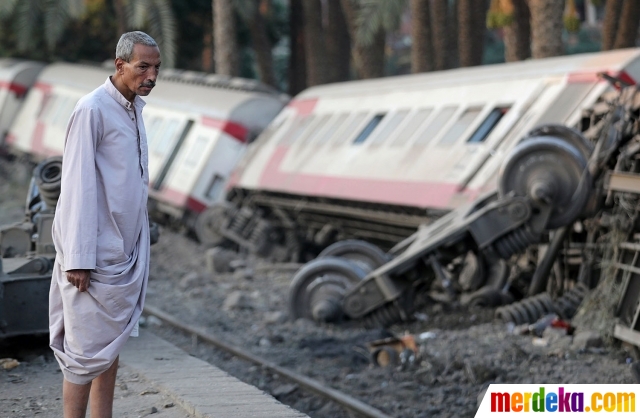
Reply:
x=9, y=363
x=283, y=390
x=394, y=351
x=148, y=392
x=169, y=405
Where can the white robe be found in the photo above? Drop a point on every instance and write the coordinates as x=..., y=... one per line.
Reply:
x=101, y=224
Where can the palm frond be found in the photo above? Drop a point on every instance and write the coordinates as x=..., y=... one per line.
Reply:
x=163, y=24
x=7, y=7
x=26, y=18
x=75, y=8
x=245, y=9
x=138, y=13
x=378, y=14
x=56, y=16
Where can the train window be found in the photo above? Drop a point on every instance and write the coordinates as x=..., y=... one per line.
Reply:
x=49, y=104
x=331, y=130
x=152, y=130
x=215, y=187
x=436, y=125
x=344, y=134
x=196, y=152
x=411, y=126
x=58, y=112
x=387, y=130
x=488, y=124
x=373, y=123
x=460, y=125
x=163, y=144
x=314, y=129
x=297, y=126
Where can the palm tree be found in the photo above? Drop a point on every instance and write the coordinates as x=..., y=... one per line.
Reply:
x=471, y=28
x=297, y=65
x=315, y=47
x=225, y=45
x=442, y=35
x=610, y=23
x=338, y=43
x=629, y=21
x=421, y=43
x=517, y=35
x=156, y=15
x=366, y=21
x=546, y=27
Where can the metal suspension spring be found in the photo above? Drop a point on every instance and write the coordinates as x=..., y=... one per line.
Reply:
x=259, y=235
x=243, y=216
x=382, y=317
x=567, y=305
x=515, y=242
x=527, y=311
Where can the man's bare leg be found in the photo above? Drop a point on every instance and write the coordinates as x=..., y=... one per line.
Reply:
x=102, y=389
x=74, y=399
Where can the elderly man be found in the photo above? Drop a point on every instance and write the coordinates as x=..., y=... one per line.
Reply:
x=101, y=230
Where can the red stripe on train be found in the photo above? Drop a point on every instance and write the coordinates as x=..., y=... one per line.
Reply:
x=18, y=89
x=178, y=199
x=303, y=106
x=407, y=193
x=233, y=129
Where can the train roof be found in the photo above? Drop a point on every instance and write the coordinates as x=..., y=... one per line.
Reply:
x=184, y=90
x=540, y=68
x=10, y=67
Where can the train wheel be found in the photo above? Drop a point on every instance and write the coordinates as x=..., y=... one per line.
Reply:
x=317, y=289
x=209, y=225
x=366, y=255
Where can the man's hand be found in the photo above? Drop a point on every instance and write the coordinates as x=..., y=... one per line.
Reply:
x=79, y=278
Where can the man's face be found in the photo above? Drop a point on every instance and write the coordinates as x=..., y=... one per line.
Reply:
x=139, y=75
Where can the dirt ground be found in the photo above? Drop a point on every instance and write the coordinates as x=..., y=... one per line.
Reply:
x=463, y=351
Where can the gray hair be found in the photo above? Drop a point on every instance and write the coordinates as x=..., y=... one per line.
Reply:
x=124, y=49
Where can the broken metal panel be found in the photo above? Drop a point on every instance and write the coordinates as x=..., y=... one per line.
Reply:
x=24, y=304
x=623, y=182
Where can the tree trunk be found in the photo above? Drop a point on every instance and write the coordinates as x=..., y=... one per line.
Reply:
x=297, y=64
x=471, y=26
x=224, y=35
x=441, y=47
x=315, y=48
x=629, y=21
x=338, y=43
x=121, y=18
x=610, y=23
x=546, y=28
x=368, y=60
x=262, y=48
x=421, y=46
x=517, y=36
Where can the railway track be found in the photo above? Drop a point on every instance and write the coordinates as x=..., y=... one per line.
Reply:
x=311, y=385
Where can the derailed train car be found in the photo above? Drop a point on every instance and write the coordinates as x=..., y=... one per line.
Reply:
x=374, y=159
x=577, y=191
x=198, y=126
x=16, y=78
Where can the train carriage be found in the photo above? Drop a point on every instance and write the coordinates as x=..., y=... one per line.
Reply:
x=374, y=159
x=198, y=126
x=16, y=78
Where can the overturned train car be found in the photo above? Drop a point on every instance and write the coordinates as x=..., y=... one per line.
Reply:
x=576, y=192
x=198, y=126
x=373, y=160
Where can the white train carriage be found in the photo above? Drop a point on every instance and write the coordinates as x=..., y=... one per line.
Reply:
x=373, y=159
x=16, y=78
x=198, y=126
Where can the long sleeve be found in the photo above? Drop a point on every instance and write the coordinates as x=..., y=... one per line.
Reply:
x=78, y=225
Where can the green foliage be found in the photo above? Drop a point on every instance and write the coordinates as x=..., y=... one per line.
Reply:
x=497, y=20
x=571, y=23
x=378, y=14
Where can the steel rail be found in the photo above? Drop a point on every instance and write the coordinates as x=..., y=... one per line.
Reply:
x=306, y=382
